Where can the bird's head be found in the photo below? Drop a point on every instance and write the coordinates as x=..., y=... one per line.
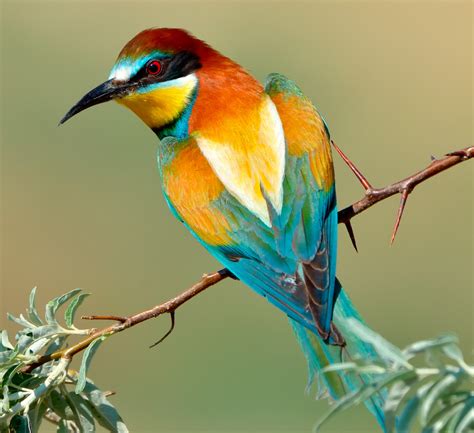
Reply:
x=154, y=76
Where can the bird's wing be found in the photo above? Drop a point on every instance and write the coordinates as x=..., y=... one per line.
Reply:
x=276, y=232
x=315, y=239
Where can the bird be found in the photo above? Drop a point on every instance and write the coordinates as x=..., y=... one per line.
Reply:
x=247, y=168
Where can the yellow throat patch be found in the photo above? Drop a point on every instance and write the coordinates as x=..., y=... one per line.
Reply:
x=163, y=103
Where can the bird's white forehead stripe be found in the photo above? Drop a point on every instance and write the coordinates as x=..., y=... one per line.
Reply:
x=121, y=73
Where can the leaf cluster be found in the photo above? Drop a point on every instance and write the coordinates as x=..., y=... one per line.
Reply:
x=52, y=391
x=427, y=386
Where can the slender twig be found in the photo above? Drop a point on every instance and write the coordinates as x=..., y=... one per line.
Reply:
x=113, y=318
x=372, y=196
x=207, y=280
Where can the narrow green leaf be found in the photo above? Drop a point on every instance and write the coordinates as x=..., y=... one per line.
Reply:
x=24, y=340
x=5, y=400
x=406, y=413
x=424, y=345
x=86, y=360
x=53, y=305
x=384, y=348
x=343, y=403
x=104, y=412
x=58, y=404
x=440, y=419
x=394, y=398
x=442, y=386
x=32, y=312
x=72, y=308
x=466, y=418
x=9, y=374
x=56, y=344
x=5, y=342
x=20, y=320
x=86, y=419
x=390, y=379
x=37, y=346
x=44, y=331
x=352, y=366
x=20, y=424
x=368, y=391
x=5, y=358
x=452, y=421
x=454, y=352
x=341, y=366
x=35, y=416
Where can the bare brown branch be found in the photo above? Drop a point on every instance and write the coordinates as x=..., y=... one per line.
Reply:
x=403, y=187
x=206, y=281
x=372, y=196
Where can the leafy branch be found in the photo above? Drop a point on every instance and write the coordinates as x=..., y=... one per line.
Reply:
x=26, y=398
x=35, y=374
x=438, y=396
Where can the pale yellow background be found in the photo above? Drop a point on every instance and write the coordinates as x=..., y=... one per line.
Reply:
x=82, y=207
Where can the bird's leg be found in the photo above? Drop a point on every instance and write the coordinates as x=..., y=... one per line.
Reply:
x=168, y=332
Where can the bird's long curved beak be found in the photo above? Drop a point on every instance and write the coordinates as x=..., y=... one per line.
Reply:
x=107, y=91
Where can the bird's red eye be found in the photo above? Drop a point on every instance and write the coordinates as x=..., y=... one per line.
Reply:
x=153, y=67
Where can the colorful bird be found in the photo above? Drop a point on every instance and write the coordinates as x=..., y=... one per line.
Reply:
x=248, y=170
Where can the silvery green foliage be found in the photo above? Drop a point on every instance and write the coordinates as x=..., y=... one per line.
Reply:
x=428, y=386
x=64, y=396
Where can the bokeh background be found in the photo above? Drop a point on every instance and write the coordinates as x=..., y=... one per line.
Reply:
x=81, y=205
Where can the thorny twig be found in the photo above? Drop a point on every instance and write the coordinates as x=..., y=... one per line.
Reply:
x=403, y=187
x=372, y=196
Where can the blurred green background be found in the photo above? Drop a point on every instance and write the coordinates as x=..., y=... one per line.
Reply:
x=82, y=207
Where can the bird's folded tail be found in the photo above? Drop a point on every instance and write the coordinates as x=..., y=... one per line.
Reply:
x=337, y=384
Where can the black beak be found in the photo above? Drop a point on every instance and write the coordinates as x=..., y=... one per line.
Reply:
x=104, y=92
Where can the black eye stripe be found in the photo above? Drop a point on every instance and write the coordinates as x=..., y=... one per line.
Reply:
x=179, y=65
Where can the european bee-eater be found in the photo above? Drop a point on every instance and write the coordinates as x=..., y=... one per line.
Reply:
x=248, y=170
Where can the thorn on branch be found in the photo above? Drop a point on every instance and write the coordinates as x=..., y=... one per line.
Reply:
x=351, y=234
x=168, y=332
x=403, y=201
x=362, y=179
